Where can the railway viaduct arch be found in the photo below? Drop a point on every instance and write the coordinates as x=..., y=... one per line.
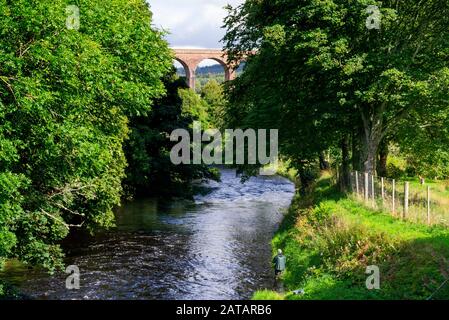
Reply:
x=191, y=58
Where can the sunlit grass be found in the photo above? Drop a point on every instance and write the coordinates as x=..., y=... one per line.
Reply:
x=267, y=295
x=418, y=205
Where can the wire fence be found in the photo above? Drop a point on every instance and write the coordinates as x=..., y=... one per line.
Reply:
x=406, y=200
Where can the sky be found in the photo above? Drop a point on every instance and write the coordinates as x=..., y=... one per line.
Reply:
x=191, y=23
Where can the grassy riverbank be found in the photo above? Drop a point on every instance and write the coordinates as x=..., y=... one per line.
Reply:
x=329, y=240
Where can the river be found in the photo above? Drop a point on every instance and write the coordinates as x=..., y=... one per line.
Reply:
x=215, y=247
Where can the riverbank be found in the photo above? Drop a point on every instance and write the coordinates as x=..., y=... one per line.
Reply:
x=329, y=241
x=284, y=170
x=8, y=292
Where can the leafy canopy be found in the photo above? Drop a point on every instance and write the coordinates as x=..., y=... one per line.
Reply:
x=65, y=98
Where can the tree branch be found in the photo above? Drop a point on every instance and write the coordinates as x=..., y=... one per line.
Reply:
x=68, y=226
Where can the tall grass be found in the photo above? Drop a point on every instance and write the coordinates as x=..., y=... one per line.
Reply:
x=329, y=240
x=394, y=204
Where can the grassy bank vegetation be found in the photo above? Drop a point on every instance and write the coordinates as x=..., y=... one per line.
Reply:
x=7, y=292
x=285, y=170
x=329, y=240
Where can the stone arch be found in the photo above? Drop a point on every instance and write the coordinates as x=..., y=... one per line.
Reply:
x=191, y=58
x=190, y=75
x=228, y=73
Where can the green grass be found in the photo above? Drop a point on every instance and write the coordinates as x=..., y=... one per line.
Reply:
x=440, y=186
x=267, y=295
x=330, y=239
x=417, y=212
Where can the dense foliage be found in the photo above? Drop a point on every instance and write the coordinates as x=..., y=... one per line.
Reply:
x=65, y=99
x=328, y=81
x=150, y=170
x=213, y=95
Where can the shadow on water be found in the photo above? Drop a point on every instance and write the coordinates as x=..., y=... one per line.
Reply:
x=215, y=247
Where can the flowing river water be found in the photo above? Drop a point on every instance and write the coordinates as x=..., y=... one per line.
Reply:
x=216, y=247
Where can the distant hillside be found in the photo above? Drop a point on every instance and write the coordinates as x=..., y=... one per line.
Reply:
x=207, y=70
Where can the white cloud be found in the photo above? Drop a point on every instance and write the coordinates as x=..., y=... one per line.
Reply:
x=191, y=23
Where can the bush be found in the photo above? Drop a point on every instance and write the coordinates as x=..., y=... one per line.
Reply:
x=396, y=167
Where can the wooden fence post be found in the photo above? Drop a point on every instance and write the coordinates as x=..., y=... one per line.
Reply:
x=428, y=205
x=373, y=195
x=394, y=197
x=357, y=182
x=406, y=191
x=351, y=188
x=383, y=189
x=366, y=186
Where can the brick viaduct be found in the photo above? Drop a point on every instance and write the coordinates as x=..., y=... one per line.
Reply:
x=191, y=58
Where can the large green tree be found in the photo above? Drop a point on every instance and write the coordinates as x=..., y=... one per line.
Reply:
x=323, y=73
x=65, y=97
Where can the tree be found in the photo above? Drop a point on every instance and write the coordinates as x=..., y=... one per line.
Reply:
x=274, y=91
x=424, y=143
x=193, y=105
x=150, y=170
x=212, y=93
x=65, y=98
x=322, y=75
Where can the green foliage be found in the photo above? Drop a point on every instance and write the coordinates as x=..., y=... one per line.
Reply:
x=415, y=157
x=150, y=170
x=65, y=96
x=7, y=292
x=202, y=79
x=396, y=166
x=285, y=170
x=193, y=105
x=320, y=75
x=212, y=93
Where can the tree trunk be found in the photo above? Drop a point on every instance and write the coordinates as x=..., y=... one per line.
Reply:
x=324, y=164
x=356, y=141
x=345, y=174
x=305, y=179
x=383, y=157
x=370, y=154
x=373, y=129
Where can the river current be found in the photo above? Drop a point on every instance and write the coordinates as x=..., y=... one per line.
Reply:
x=215, y=247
